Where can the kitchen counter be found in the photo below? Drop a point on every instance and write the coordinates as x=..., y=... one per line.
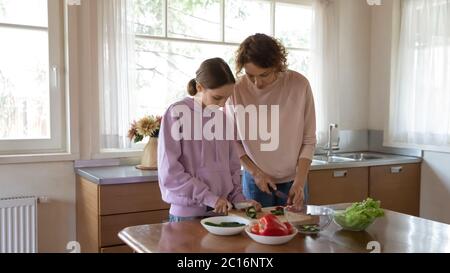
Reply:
x=395, y=233
x=380, y=159
x=129, y=174
x=117, y=175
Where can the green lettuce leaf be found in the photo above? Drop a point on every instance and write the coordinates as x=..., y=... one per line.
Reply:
x=359, y=215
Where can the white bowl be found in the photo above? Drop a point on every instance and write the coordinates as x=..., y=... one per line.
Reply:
x=225, y=231
x=271, y=240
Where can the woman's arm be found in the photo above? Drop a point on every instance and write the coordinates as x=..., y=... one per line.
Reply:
x=296, y=195
x=262, y=180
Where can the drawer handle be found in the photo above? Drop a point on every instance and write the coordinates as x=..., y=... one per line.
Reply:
x=395, y=170
x=340, y=174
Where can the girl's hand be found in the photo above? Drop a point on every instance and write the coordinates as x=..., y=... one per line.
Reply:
x=296, y=196
x=223, y=206
x=263, y=181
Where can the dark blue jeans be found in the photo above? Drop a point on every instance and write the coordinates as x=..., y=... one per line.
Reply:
x=251, y=191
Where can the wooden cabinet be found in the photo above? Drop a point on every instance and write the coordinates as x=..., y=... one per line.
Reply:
x=397, y=187
x=117, y=249
x=338, y=186
x=104, y=210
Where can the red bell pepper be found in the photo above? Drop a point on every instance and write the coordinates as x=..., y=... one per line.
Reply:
x=289, y=227
x=254, y=228
x=270, y=225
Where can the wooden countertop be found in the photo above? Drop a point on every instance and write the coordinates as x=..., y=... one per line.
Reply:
x=396, y=233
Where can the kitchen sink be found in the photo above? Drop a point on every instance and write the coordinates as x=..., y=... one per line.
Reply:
x=346, y=158
x=332, y=159
x=361, y=156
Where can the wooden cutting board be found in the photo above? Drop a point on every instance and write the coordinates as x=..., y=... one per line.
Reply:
x=301, y=219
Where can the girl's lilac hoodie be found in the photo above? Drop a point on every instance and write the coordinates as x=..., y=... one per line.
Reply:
x=193, y=174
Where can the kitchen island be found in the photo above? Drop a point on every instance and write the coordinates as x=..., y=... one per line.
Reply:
x=394, y=233
x=111, y=198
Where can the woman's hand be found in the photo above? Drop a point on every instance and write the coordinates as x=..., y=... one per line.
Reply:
x=222, y=206
x=255, y=204
x=296, y=196
x=263, y=182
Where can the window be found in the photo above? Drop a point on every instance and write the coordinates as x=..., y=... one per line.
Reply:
x=420, y=99
x=168, y=53
x=32, y=113
x=172, y=38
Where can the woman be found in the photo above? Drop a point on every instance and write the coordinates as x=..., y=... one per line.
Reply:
x=267, y=82
x=199, y=176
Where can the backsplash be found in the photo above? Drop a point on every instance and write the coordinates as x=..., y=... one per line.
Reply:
x=349, y=141
x=366, y=140
x=376, y=138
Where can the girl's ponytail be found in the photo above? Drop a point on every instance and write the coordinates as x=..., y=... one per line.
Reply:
x=192, y=87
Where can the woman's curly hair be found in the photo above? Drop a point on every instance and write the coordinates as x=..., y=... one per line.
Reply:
x=263, y=51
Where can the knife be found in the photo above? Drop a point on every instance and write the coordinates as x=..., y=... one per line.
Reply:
x=280, y=194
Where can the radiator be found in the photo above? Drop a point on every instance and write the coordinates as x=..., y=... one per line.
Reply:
x=18, y=225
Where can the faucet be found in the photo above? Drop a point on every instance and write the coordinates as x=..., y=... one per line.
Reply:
x=330, y=135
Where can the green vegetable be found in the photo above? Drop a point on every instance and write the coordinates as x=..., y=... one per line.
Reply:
x=309, y=228
x=251, y=212
x=359, y=215
x=225, y=224
x=278, y=211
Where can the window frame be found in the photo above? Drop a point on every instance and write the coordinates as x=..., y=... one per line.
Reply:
x=58, y=141
x=136, y=148
x=166, y=37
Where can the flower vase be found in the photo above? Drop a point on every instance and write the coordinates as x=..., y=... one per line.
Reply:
x=149, y=159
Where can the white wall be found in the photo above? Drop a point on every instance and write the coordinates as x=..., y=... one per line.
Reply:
x=380, y=62
x=435, y=177
x=53, y=180
x=354, y=57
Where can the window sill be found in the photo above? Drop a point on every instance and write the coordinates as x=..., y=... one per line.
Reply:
x=423, y=147
x=116, y=153
x=37, y=158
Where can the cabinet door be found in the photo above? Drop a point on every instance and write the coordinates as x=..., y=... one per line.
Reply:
x=117, y=249
x=111, y=225
x=127, y=198
x=397, y=187
x=328, y=187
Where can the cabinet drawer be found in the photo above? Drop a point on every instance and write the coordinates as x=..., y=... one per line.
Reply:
x=117, y=249
x=111, y=225
x=126, y=198
x=338, y=186
x=397, y=187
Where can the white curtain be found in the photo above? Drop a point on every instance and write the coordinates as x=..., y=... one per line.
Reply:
x=325, y=58
x=420, y=100
x=116, y=66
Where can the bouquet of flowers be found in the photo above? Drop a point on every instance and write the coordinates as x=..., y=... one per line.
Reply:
x=147, y=126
